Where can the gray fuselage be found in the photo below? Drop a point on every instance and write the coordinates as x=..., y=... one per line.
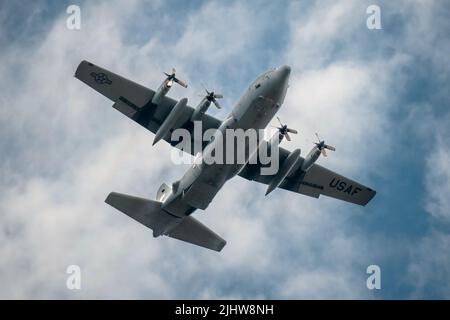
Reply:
x=254, y=110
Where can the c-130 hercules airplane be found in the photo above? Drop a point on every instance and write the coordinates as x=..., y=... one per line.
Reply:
x=171, y=213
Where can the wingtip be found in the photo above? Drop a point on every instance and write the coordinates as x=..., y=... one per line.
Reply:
x=77, y=71
x=109, y=197
x=269, y=190
x=374, y=193
x=158, y=137
x=80, y=65
x=221, y=246
x=369, y=199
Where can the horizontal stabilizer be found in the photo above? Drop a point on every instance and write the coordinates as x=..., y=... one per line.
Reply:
x=150, y=214
x=147, y=212
x=191, y=230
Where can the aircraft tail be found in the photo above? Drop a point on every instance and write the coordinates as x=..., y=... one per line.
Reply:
x=150, y=214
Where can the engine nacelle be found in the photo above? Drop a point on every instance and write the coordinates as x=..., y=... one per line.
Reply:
x=312, y=156
x=200, y=110
x=161, y=92
x=166, y=85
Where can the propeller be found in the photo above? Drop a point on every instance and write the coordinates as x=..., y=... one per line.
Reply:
x=171, y=79
x=322, y=146
x=284, y=130
x=212, y=97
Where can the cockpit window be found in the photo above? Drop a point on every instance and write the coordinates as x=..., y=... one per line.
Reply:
x=261, y=78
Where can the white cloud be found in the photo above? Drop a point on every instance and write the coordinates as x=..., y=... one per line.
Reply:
x=217, y=33
x=429, y=269
x=69, y=149
x=87, y=149
x=428, y=272
x=438, y=183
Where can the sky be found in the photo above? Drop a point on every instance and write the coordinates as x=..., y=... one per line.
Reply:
x=379, y=96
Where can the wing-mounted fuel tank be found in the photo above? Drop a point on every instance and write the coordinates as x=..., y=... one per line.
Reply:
x=284, y=170
x=290, y=163
x=170, y=121
x=203, y=106
x=166, y=85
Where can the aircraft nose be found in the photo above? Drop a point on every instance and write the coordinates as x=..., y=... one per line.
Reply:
x=284, y=71
x=280, y=83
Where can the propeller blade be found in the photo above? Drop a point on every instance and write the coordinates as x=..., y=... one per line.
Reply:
x=181, y=83
x=218, y=96
x=324, y=152
x=330, y=147
x=173, y=70
x=292, y=131
x=287, y=136
x=317, y=137
x=167, y=75
x=216, y=103
x=279, y=121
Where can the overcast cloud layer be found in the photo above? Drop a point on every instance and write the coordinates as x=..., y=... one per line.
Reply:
x=379, y=96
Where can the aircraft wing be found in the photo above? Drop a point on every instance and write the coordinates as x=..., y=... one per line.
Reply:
x=134, y=101
x=316, y=181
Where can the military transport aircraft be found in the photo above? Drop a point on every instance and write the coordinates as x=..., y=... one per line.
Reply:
x=170, y=213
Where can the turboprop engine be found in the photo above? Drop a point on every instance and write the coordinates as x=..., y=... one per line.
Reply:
x=166, y=85
x=289, y=163
x=284, y=131
x=205, y=103
x=315, y=152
